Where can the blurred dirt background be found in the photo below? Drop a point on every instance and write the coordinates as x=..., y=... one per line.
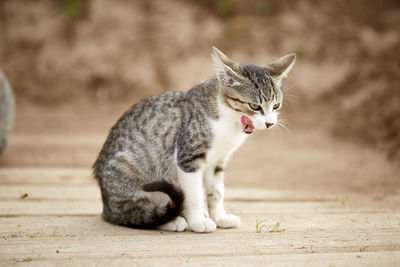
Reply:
x=92, y=54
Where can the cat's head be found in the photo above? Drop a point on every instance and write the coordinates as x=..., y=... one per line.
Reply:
x=254, y=91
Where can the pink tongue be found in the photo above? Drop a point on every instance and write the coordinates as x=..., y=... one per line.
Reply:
x=248, y=124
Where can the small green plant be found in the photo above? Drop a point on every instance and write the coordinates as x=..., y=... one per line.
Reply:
x=36, y=235
x=276, y=228
x=363, y=248
x=72, y=9
x=260, y=225
x=344, y=201
x=263, y=8
x=225, y=7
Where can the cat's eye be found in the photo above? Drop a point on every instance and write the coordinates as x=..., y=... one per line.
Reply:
x=277, y=105
x=254, y=106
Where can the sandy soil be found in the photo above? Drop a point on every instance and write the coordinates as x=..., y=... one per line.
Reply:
x=100, y=52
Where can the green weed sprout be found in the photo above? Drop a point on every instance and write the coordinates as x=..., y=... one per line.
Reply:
x=275, y=229
x=344, y=201
x=260, y=225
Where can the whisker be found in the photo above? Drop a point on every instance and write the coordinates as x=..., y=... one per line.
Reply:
x=283, y=130
x=282, y=125
x=291, y=99
x=276, y=129
x=286, y=88
x=285, y=122
x=291, y=96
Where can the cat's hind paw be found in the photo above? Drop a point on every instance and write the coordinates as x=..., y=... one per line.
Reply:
x=228, y=221
x=204, y=225
x=179, y=224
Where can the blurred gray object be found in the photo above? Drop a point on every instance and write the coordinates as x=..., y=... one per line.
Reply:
x=7, y=110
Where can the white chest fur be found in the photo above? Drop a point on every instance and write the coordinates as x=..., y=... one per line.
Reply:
x=228, y=135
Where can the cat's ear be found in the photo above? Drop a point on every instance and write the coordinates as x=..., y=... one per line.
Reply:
x=226, y=69
x=281, y=67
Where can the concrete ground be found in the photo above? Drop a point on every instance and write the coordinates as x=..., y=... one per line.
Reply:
x=338, y=204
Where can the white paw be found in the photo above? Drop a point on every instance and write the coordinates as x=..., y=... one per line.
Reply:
x=204, y=225
x=228, y=221
x=179, y=224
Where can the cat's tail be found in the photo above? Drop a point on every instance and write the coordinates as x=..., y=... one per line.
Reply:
x=173, y=209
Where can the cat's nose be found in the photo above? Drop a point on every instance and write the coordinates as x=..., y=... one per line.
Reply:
x=268, y=124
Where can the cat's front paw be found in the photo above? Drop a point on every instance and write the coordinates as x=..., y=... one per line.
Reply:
x=179, y=224
x=228, y=221
x=204, y=225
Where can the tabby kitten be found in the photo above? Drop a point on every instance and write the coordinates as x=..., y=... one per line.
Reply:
x=163, y=150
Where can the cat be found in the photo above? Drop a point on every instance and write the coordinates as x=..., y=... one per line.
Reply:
x=164, y=149
x=7, y=111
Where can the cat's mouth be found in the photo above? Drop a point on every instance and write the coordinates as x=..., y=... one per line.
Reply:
x=248, y=124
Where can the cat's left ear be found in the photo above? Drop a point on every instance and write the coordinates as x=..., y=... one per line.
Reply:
x=226, y=69
x=281, y=67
